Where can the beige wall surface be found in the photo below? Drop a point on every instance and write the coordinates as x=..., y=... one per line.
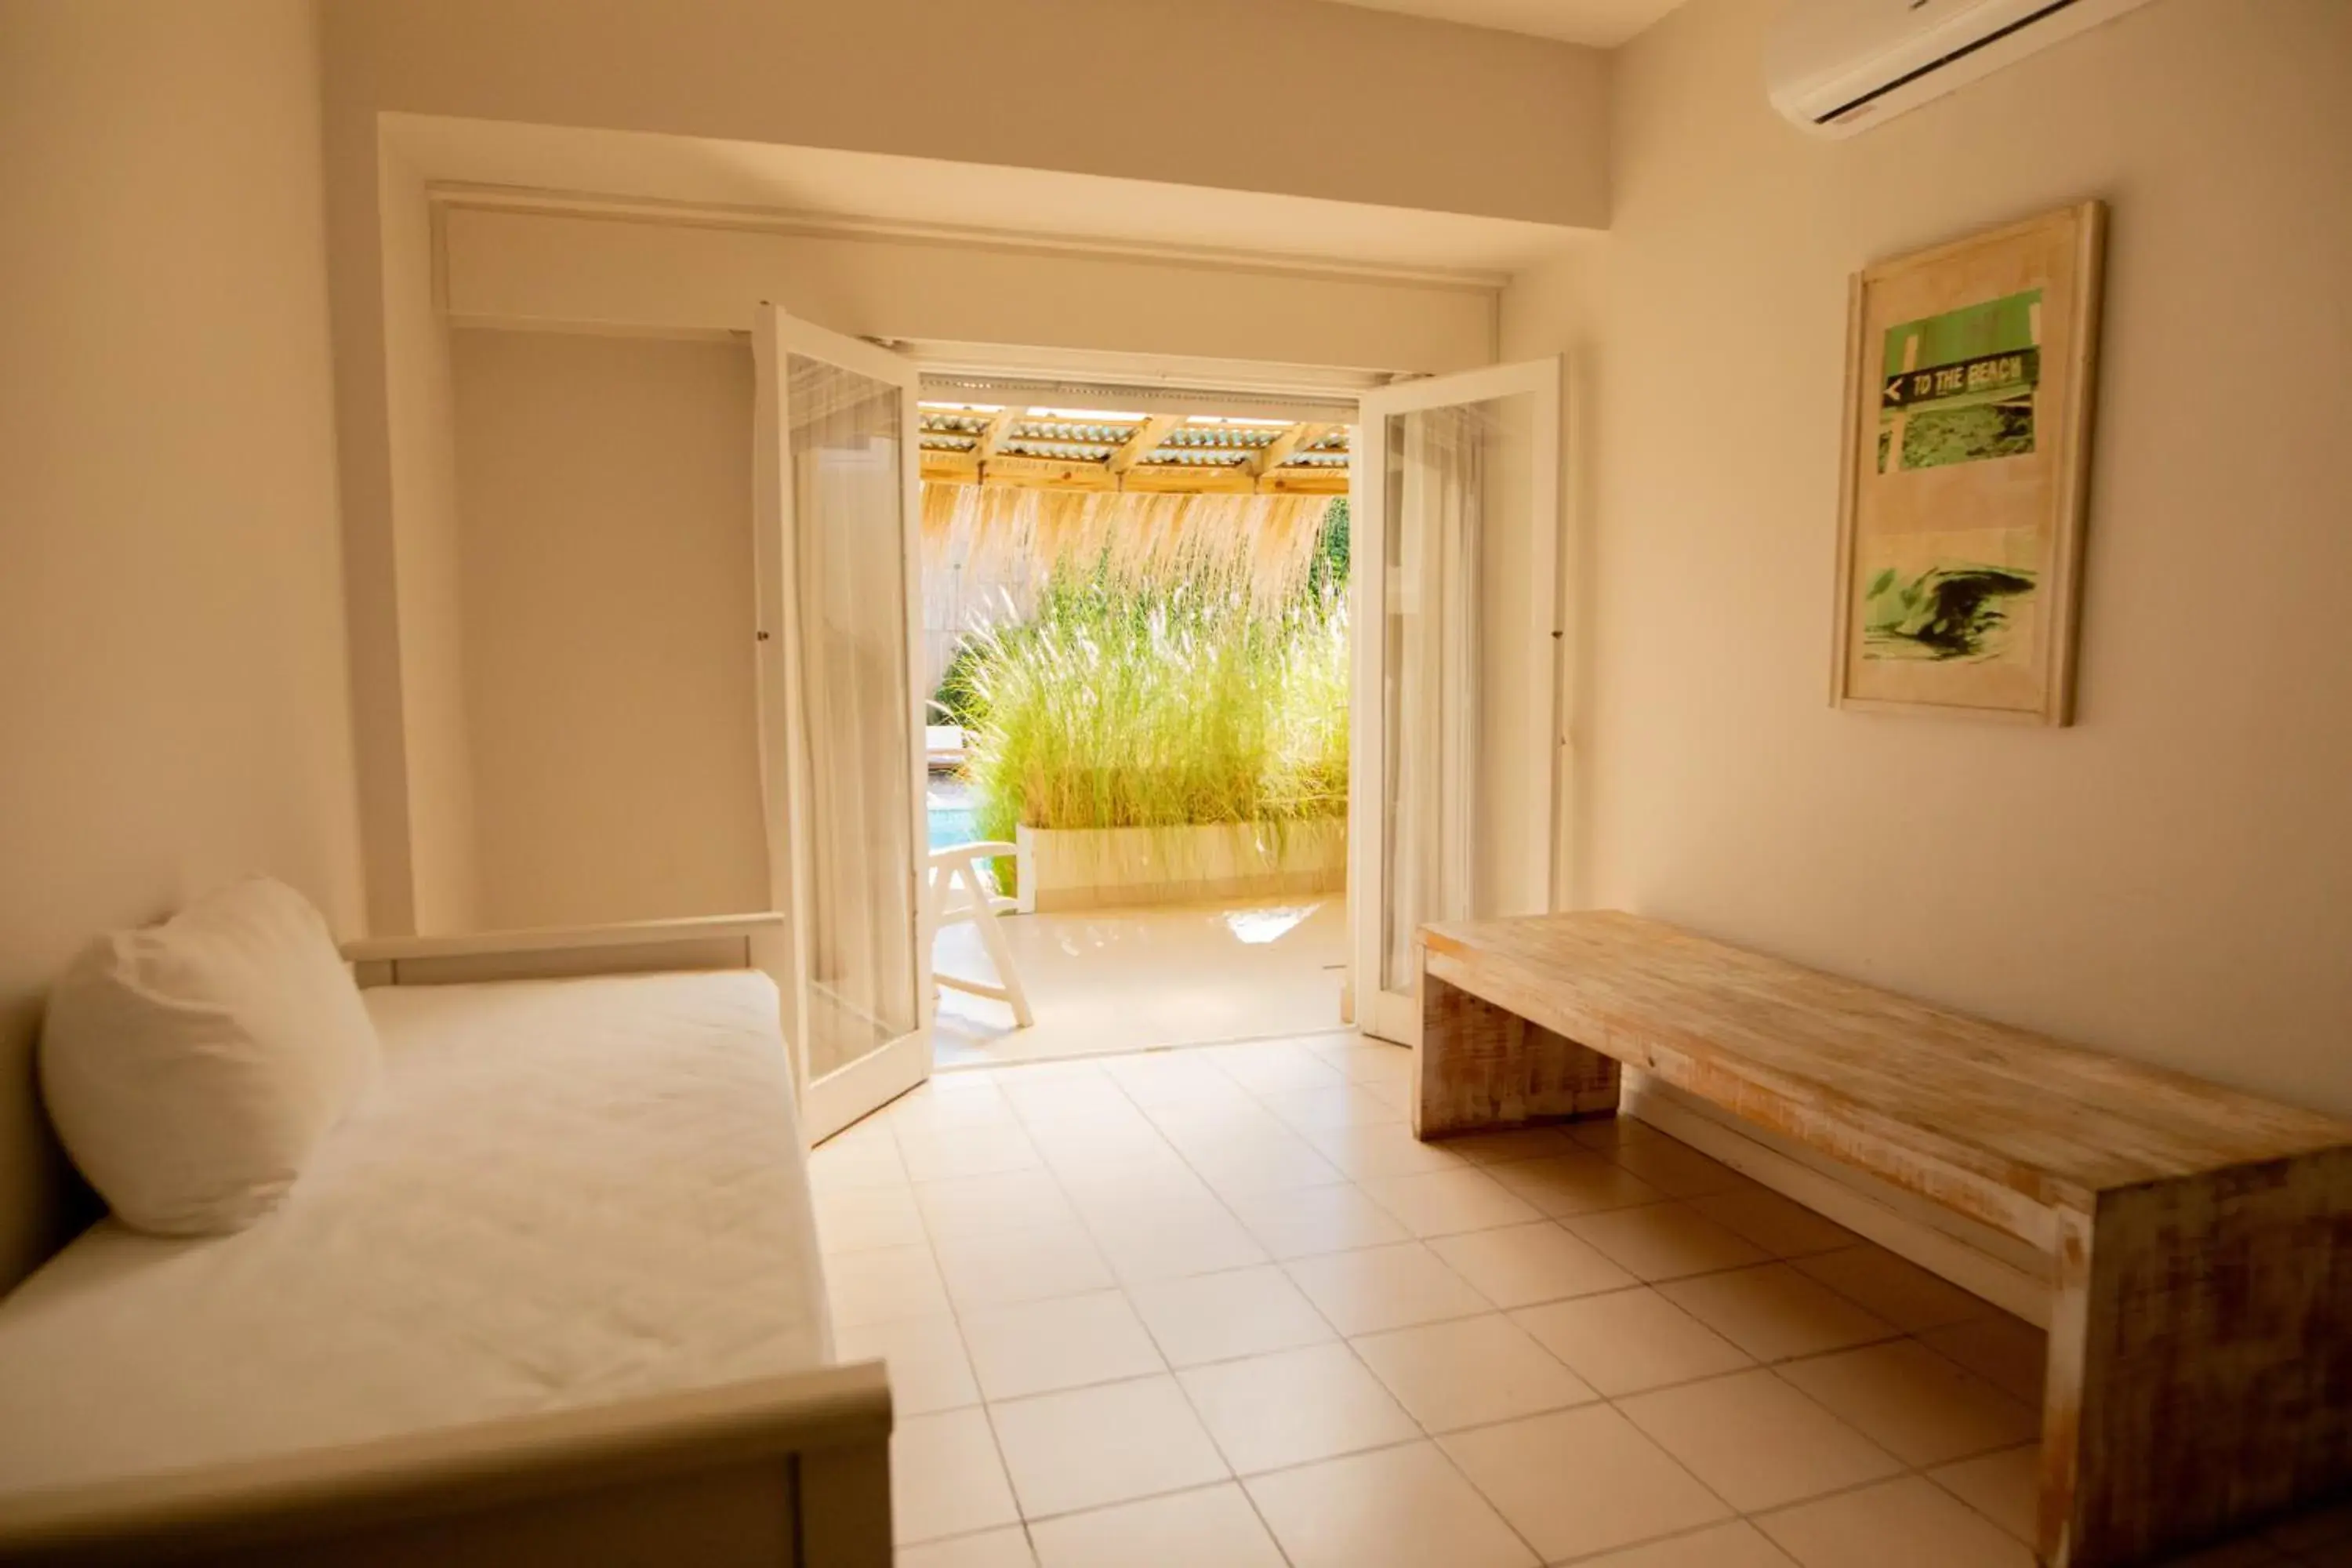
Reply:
x=172, y=668
x=2170, y=878
x=427, y=574
x=1289, y=97
x=606, y=544
x=1296, y=96
x=608, y=273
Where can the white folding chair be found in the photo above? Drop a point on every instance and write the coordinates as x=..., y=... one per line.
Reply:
x=959, y=892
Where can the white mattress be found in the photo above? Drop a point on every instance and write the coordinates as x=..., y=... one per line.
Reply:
x=561, y=1193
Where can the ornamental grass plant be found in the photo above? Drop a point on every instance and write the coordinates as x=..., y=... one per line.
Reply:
x=1158, y=704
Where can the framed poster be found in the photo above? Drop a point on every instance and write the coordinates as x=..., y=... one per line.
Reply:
x=1968, y=407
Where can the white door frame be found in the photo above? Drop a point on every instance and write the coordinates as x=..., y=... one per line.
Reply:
x=835, y=1100
x=1383, y=1014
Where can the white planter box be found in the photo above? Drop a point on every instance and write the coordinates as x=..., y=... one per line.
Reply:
x=1101, y=867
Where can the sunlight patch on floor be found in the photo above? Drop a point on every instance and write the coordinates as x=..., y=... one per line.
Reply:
x=1256, y=927
x=1125, y=980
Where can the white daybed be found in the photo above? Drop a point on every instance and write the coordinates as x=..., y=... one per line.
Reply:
x=551, y=1294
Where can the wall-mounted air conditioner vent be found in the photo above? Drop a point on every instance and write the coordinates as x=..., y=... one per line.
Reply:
x=1835, y=67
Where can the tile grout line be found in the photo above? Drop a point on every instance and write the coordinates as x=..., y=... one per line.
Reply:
x=955, y=1318
x=1436, y=1439
x=1427, y=1435
x=1695, y=1530
x=1773, y=1366
x=1239, y=1481
x=1356, y=1354
x=1232, y=1475
x=1257, y=1097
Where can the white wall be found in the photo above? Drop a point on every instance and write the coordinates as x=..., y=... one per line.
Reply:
x=605, y=273
x=2167, y=879
x=609, y=274
x=604, y=485
x=426, y=573
x=1295, y=97
x=173, y=684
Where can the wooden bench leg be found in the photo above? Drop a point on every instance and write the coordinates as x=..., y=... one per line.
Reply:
x=2200, y=1361
x=1482, y=1068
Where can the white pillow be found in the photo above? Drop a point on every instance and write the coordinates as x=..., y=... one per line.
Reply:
x=192, y=1066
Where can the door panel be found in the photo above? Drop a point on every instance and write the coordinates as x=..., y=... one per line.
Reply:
x=837, y=513
x=1456, y=490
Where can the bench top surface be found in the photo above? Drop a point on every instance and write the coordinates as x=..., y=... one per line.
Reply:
x=2053, y=1121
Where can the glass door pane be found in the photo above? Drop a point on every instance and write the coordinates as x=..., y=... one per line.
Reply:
x=849, y=578
x=1434, y=477
x=835, y=487
x=1459, y=496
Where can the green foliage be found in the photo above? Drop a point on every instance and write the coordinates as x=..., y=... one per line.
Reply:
x=1328, y=572
x=1121, y=704
x=956, y=701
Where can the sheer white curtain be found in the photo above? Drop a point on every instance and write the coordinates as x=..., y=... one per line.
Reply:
x=1436, y=472
x=850, y=639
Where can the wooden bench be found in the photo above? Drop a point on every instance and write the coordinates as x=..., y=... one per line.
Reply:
x=2199, y=1239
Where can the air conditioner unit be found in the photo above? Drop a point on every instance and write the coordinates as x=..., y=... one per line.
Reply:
x=1836, y=66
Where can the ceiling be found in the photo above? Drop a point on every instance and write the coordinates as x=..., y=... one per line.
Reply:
x=1603, y=23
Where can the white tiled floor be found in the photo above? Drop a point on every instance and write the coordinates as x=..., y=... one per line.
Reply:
x=1217, y=1307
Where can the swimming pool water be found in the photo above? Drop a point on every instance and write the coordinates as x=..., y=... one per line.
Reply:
x=953, y=814
x=952, y=825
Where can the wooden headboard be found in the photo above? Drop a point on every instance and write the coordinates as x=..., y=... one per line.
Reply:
x=701, y=941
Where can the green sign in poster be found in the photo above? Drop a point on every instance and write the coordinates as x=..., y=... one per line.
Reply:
x=1958, y=387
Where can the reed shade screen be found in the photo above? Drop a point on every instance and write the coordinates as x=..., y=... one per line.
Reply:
x=856, y=783
x=1013, y=535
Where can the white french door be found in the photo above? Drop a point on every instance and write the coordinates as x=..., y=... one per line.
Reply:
x=837, y=510
x=1455, y=552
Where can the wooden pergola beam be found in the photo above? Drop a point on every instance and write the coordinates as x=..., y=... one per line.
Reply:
x=1057, y=474
x=1144, y=442
x=1305, y=482
x=1264, y=470
x=950, y=467
x=1188, y=479
x=999, y=428
x=1276, y=452
x=1047, y=474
